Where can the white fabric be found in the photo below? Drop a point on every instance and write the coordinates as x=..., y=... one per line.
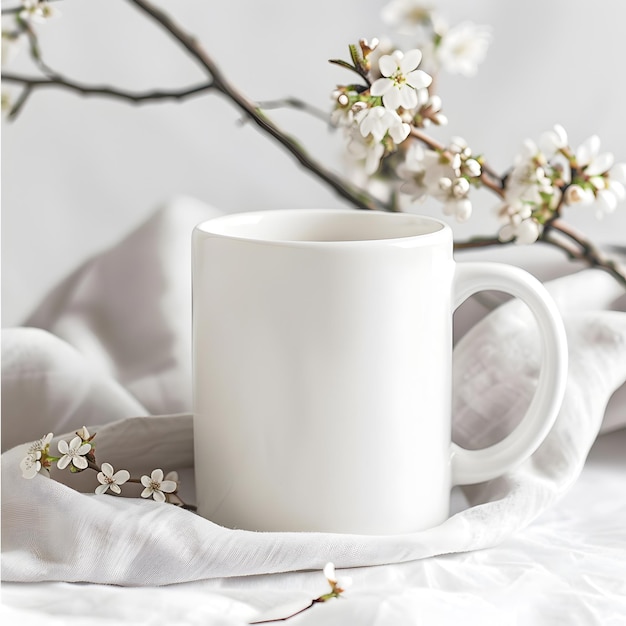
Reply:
x=569, y=568
x=126, y=314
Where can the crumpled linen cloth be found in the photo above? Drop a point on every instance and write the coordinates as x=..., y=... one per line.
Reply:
x=112, y=353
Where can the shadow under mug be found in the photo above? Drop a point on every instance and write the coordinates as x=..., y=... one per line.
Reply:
x=322, y=358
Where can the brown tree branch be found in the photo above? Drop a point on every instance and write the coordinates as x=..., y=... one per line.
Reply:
x=479, y=242
x=578, y=247
x=360, y=198
x=58, y=81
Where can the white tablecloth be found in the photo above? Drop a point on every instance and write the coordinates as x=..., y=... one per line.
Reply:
x=568, y=567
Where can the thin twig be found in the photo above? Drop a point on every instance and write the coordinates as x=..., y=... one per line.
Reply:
x=58, y=81
x=283, y=619
x=294, y=103
x=479, y=242
x=21, y=101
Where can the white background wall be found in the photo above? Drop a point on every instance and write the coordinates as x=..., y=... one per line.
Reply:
x=77, y=174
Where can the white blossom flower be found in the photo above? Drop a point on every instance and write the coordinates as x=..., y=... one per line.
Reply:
x=607, y=180
x=618, y=173
x=430, y=110
x=37, y=11
x=524, y=232
x=11, y=45
x=83, y=433
x=338, y=583
x=364, y=149
x=443, y=176
x=460, y=208
x=108, y=479
x=406, y=16
x=472, y=167
x=73, y=453
x=575, y=194
x=463, y=47
x=616, y=180
x=31, y=464
x=446, y=177
x=385, y=46
x=528, y=182
x=589, y=157
x=553, y=140
x=412, y=171
x=7, y=101
x=379, y=121
x=156, y=486
x=343, y=113
x=606, y=202
x=173, y=498
x=401, y=79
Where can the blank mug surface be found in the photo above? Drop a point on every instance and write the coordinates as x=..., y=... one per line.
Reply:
x=322, y=345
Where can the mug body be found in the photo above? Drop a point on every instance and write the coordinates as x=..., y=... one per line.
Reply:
x=322, y=370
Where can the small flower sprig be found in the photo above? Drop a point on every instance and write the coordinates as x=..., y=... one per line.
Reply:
x=78, y=454
x=338, y=584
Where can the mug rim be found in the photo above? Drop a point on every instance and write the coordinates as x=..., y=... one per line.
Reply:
x=224, y=226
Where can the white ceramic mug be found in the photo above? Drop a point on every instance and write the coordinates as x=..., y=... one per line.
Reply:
x=322, y=347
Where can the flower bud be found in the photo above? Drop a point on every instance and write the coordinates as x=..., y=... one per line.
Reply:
x=343, y=100
x=460, y=188
x=472, y=167
x=575, y=194
x=445, y=184
x=367, y=47
x=458, y=144
x=434, y=103
x=527, y=232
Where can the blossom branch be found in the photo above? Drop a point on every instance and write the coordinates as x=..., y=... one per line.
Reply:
x=359, y=197
x=372, y=110
x=78, y=455
x=573, y=244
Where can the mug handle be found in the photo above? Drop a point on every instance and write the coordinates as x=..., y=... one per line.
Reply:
x=474, y=466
